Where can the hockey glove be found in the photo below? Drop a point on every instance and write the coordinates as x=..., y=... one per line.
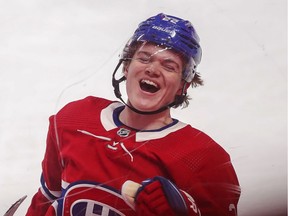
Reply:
x=159, y=196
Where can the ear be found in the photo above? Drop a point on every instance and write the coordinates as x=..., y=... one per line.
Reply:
x=125, y=69
x=184, y=85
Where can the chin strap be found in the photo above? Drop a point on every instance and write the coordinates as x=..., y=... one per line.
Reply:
x=118, y=94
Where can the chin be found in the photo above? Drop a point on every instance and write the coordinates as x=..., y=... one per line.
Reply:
x=147, y=108
x=148, y=103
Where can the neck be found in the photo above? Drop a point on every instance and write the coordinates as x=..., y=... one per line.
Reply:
x=145, y=122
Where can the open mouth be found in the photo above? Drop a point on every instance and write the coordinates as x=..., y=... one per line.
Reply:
x=149, y=86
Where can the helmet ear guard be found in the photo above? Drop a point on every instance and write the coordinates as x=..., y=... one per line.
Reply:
x=189, y=70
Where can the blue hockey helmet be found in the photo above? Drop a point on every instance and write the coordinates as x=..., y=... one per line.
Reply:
x=172, y=32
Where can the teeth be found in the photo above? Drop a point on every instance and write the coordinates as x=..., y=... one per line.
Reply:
x=149, y=83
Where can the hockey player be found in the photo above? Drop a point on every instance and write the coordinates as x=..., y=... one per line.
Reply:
x=132, y=158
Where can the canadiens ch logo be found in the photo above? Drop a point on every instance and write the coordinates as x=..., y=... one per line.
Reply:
x=123, y=132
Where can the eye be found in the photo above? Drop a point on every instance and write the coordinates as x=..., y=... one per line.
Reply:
x=143, y=58
x=170, y=66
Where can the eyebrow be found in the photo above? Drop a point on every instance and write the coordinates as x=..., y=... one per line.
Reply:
x=144, y=52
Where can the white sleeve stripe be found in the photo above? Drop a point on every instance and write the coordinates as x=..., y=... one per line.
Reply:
x=64, y=184
x=45, y=194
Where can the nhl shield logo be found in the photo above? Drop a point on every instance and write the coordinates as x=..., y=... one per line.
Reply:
x=123, y=132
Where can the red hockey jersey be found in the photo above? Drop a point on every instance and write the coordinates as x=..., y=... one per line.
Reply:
x=90, y=154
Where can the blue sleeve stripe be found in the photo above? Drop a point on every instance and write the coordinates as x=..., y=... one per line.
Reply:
x=46, y=190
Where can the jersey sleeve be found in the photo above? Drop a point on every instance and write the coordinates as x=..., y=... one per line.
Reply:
x=50, y=188
x=203, y=169
x=217, y=194
x=215, y=191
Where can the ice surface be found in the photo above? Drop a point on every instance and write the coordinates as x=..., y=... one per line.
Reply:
x=52, y=52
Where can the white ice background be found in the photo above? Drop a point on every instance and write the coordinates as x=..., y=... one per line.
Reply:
x=52, y=52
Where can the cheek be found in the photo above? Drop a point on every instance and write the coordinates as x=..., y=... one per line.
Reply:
x=129, y=69
x=133, y=70
x=178, y=86
x=130, y=74
x=174, y=79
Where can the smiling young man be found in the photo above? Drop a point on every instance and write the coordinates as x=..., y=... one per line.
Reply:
x=132, y=158
x=154, y=77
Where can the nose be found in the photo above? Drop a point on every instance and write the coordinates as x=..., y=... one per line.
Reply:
x=152, y=69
